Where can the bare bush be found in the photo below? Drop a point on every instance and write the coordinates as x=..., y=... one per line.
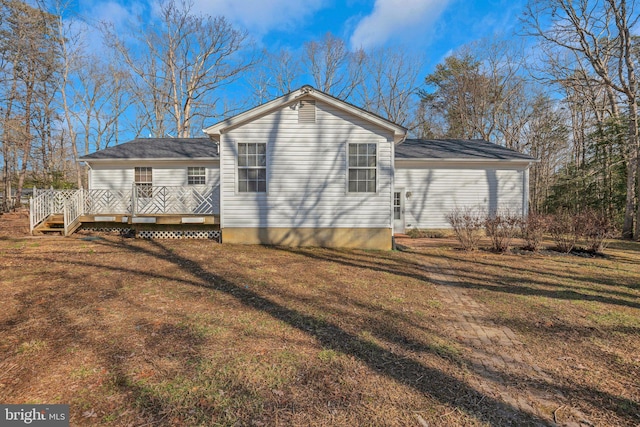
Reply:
x=502, y=228
x=533, y=228
x=467, y=224
x=595, y=229
x=564, y=230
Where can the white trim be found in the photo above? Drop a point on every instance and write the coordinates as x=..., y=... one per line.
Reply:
x=155, y=159
x=192, y=220
x=204, y=174
x=393, y=181
x=468, y=163
x=525, y=193
x=403, y=196
x=453, y=160
x=143, y=220
x=237, y=167
x=377, y=183
x=221, y=183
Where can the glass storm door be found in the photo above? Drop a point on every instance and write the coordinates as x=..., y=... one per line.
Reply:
x=398, y=212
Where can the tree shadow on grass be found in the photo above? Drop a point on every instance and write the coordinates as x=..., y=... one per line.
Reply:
x=442, y=387
x=415, y=270
x=422, y=271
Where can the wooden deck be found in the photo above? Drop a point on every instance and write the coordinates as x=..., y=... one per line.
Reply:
x=190, y=209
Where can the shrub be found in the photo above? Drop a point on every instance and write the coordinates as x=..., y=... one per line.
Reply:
x=595, y=229
x=502, y=228
x=533, y=228
x=417, y=233
x=466, y=223
x=564, y=230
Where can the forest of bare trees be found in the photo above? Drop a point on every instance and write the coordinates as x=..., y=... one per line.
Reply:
x=563, y=89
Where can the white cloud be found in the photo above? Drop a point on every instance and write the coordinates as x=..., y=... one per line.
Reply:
x=396, y=20
x=121, y=17
x=119, y=14
x=260, y=16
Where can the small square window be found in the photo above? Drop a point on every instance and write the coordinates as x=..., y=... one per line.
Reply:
x=143, y=178
x=196, y=176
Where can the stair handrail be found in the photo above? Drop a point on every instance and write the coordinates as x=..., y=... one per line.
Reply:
x=40, y=208
x=73, y=209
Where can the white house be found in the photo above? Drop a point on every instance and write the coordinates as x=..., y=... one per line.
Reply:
x=303, y=169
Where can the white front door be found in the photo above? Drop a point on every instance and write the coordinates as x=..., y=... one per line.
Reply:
x=398, y=211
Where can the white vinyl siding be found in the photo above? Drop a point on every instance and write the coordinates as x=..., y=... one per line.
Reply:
x=307, y=173
x=436, y=190
x=111, y=177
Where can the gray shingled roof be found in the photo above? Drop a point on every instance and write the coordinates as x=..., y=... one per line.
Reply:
x=456, y=149
x=158, y=148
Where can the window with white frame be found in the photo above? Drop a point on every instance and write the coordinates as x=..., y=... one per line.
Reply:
x=143, y=178
x=363, y=163
x=196, y=176
x=252, y=167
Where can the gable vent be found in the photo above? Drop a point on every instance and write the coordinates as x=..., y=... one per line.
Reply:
x=307, y=112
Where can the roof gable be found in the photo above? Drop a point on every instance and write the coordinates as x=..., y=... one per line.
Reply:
x=307, y=92
x=158, y=148
x=457, y=149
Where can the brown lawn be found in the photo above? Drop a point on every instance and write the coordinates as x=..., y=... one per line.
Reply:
x=190, y=332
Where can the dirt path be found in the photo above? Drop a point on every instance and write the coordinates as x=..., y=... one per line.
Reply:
x=497, y=356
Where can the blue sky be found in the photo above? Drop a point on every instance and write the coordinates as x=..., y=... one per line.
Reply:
x=433, y=28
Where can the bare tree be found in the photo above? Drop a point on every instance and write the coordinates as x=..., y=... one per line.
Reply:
x=278, y=73
x=333, y=68
x=186, y=58
x=546, y=136
x=389, y=86
x=598, y=34
x=70, y=57
x=29, y=48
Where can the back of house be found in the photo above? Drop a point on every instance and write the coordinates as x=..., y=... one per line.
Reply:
x=305, y=169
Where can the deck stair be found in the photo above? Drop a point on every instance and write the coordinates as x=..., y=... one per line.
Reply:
x=53, y=224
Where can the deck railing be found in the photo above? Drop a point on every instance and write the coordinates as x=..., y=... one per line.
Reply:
x=98, y=202
x=40, y=207
x=193, y=199
x=73, y=209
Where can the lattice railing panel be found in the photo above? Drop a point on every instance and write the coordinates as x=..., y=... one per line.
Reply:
x=176, y=200
x=73, y=208
x=107, y=202
x=39, y=209
x=56, y=198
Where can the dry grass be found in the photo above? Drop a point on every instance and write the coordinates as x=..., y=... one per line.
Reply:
x=130, y=332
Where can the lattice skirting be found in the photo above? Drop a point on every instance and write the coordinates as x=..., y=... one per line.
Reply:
x=200, y=234
x=107, y=229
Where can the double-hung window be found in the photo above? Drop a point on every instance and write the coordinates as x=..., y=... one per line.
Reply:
x=252, y=167
x=363, y=163
x=143, y=177
x=196, y=176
